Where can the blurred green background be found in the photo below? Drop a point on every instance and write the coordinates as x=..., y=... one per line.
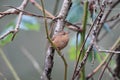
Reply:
x=35, y=43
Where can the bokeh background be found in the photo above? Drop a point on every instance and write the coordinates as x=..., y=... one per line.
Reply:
x=35, y=43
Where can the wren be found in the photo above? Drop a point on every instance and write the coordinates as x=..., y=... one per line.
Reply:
x=60, y=40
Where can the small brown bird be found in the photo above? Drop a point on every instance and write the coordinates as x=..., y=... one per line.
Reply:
x=60, y=40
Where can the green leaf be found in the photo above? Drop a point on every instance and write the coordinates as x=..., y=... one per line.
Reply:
x=72, y=53
x=6, y=40
x=30, y=26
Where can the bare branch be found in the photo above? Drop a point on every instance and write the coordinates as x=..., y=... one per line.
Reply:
x=82, y=46
x=21, y=7
x=7, y=12
x=5, y=34
x=105, y=51
x=113, y=18
x=109, y=58
x=112, y=73
x=40, y=8
x=62, y=16
x=14, y=10
x=25, y=13
x=106, y=14
x=109, y=51
x=104, y=62
x=60, y=23
x=105, y=66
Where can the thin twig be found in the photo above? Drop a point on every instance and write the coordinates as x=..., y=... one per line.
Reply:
x=97, y=29
x=98, y=67
x=103, y=62
x=50, y=16
x=65, y=63
x=50, y=54
x=7, y=12
x=5, y=34
x=105, y=16
x=16, y=29
x=85, y=58
x=113, y=18
x=110, y=57
x=83, y=34
x=60, y=25
x=17, y=24
x=89, y=32
x=46, y=75
x=41, y=8
x=112, y=73
x=109, y=51
x=105, y=51
x=105, y=66
x=111, y=27
x=71, y=26
x=18, y=10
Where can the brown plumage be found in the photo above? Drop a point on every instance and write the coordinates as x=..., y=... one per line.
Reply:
x=60, y=40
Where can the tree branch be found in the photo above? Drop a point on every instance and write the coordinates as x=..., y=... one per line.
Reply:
x=16, y=29
x=60, y=23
